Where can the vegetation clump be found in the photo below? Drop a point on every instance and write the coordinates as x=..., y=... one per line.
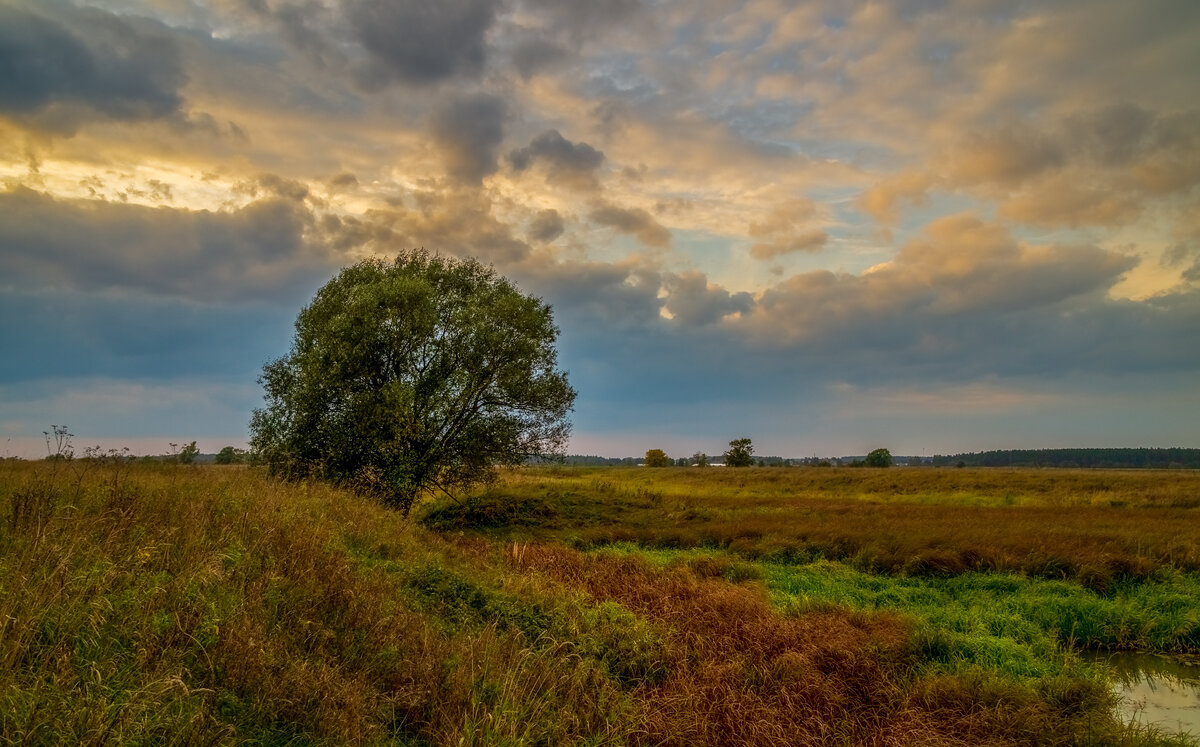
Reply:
x=658, y=458
x=878, y=458
x=740, y=454
x=411, y=377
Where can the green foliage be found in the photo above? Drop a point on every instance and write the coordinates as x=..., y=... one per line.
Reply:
x=1092, y=457
x=700, y=459
x=414, y=376
x=461, y=603
x=230, y=455
x=657, y=458
x=1007, y=621
x=490, y=510
x=185, y=454
x=740, y=453
x=879, y=458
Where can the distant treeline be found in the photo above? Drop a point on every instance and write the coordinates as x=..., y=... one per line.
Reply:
x=1111, y=458
x=581, y=460
x=1130, y=458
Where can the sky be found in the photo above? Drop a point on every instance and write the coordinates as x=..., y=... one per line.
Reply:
x=932, y=226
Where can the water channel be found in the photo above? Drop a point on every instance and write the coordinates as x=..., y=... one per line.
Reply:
x=1156, y=690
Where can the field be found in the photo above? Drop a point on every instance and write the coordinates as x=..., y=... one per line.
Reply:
x=159, y=603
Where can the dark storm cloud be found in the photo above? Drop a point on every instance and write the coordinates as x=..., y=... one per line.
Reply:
x=615, y=296
x=962, y=303
x=565, y=163
x=469, y=131
x=1175, y=256
x=461, y=223
x=634, y=221
x=584, y=18
x=300, y=27
x=50, y=335
x=1114, y=134
x=258, y=252
x=532, y=56
x=277, y=186
x=547, y=225
x=422, y=42
x=693, y=301
x=1180, y=254
x=60, y=65
x=620, y=349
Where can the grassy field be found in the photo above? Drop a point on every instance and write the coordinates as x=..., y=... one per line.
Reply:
x=154, y=603
x=1096, y=527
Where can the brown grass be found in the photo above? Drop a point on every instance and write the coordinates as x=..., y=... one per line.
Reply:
x=740, y=674
x=161, y=603
x=1045, y=523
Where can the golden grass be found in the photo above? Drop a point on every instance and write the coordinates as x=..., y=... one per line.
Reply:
x=933, y=485
x=1098, y=527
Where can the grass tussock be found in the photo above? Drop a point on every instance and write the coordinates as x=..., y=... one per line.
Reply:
x=152, y=603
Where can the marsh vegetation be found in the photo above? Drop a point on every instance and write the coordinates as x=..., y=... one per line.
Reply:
x=148, y=602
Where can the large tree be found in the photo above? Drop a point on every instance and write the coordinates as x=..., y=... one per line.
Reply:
x=879, y=458
x=657, y=458
x=740, y=453
x=413, y=376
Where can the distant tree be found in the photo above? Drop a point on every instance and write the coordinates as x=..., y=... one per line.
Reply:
x=740, y=453
x=682, y=462
x=700, y=459
x=413, y=376
x=657, y=458
x=878, y=458
x=230, y=455
x=185, y=454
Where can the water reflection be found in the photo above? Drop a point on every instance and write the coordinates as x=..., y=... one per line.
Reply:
x=1156, y=690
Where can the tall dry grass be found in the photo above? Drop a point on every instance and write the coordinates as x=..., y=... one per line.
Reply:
x=144, y=603
x=741, y=674
x=160, y=603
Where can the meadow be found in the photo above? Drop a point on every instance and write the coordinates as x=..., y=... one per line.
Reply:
x=163, y=603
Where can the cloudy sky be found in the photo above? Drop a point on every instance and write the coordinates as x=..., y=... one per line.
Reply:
x=934, y=226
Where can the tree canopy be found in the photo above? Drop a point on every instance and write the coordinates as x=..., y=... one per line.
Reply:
x=658, y=458
x=412, y=376
x=740, y=453
x=879, y=458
